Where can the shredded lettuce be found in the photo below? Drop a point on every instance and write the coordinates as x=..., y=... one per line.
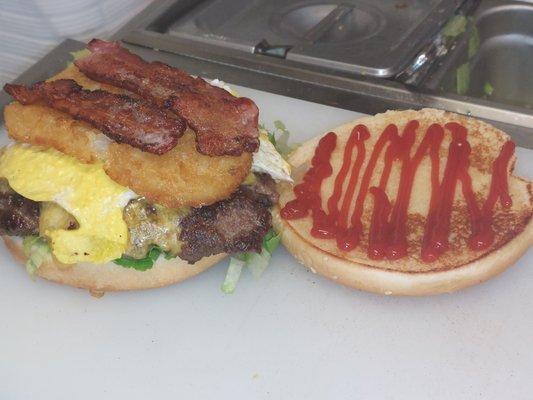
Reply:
x=255, y=262
x=280, y=139
x=488, y=89
x=37, y=250
x=233, y=275
x=455, y=26
x=462, y=72
x=463, y=78
x=80, y=53
x=473, y=41
x=143, y=264
x=271, y=241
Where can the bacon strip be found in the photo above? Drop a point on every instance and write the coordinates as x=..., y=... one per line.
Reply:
x=120, y=117
x=224, y=124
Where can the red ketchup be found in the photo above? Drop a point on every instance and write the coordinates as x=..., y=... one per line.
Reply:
x=387, y=234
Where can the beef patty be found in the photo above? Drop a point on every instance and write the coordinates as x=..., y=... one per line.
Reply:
x=234, y=225
x=19, y=216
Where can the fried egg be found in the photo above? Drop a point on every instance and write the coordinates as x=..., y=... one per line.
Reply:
x=83, y=190
x=267, y=159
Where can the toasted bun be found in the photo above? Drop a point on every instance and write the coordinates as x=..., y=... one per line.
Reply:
x=460, y=266
x=181, y=177
x=111, y=277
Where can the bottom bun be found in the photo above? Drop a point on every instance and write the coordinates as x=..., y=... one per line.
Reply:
x=108, y=277
x=394, y=282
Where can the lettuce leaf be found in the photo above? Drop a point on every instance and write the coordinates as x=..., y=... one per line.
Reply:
x=271, y=241
x=80, y=53
x=256, y=263
x=488, y=89
x=77, y=54
x=463, y=78
x=455, y=26
x=143, y=264
x=37, y=250
x=280, y=139
x=233, y=275
x=473, y=41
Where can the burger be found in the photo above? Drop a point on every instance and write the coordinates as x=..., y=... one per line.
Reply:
x=126, y=174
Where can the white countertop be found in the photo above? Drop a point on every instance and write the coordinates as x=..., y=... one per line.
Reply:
x=288, y=335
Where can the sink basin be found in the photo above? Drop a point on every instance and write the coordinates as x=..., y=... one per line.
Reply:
x=501, y=68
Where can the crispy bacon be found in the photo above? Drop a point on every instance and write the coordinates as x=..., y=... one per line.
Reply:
x=224, y=124
x=122, y=118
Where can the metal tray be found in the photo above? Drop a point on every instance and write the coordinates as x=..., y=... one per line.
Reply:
x=377, y=38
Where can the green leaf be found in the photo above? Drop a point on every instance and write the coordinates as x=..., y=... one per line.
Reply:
x=455, y=26
x=140, y=264
x=473, y=42
x=279, y=137
x=241, y=256
x=258, y=262
x=233, y=275
x=281, y=142
x=271, y=241
x=255, y=262
x=488, y=89
x=279, y=125
x=463, y=78
x=37, y=250
x=80, y=53
x=168, y=256
x=272, y=138
x=154, y=253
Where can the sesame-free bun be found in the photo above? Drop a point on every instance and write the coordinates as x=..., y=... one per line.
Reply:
x=457, y=268
x=109, y=277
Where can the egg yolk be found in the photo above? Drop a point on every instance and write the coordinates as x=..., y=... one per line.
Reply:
x=84, y=190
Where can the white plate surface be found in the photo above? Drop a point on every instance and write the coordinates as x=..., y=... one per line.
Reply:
x=288, y=335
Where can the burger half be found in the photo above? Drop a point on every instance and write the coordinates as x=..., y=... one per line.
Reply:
x=126, y=174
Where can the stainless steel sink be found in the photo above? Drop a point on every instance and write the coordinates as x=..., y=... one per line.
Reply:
x=502, y=68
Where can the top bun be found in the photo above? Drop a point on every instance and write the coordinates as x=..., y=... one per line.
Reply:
x=456, y=268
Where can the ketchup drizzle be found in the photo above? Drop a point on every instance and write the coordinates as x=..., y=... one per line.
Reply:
x=348, y=238
x=430, y=143
x=308, y=192
x=387, y=236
